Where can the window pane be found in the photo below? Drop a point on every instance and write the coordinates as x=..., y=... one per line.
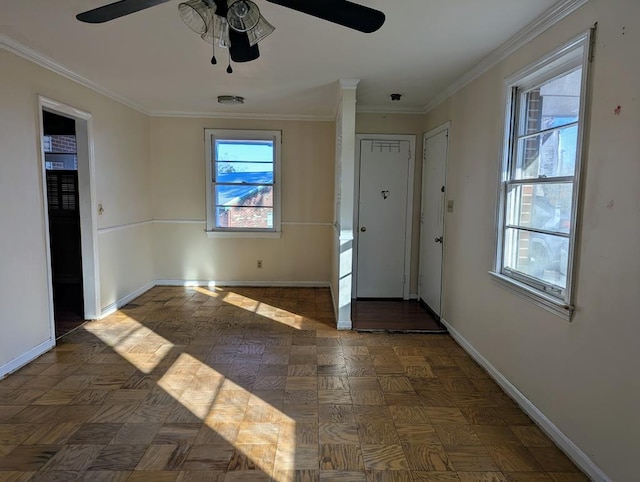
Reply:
x=244, y=150
x=244, y=172
x=243, y=167
x=538, y=255
x=243, y=195
x=244, y=217
x=542, y=206
x=550, y=154
x=553, y=104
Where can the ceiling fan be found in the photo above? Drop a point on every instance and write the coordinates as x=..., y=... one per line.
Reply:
x=238, y=24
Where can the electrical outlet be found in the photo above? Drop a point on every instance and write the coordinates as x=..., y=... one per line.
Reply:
x=259, y=264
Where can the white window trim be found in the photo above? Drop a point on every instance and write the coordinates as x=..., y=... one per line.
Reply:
x=242, y=134
x=551, y=65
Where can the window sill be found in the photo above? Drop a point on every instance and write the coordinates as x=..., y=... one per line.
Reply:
x=244, y=234
x=553, y=305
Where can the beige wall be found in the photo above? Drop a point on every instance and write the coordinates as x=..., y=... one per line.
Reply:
x=583, y=375
x=121, y=161
x=411, y=124
x=183, y=252
x=126, y=263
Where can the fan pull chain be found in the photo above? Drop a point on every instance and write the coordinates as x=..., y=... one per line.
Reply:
x=229, y=69
x=214, y=61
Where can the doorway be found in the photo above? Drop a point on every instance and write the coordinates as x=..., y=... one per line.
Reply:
x=61, y=168
x=384, y=206
x=69, y=221
x=432, y=212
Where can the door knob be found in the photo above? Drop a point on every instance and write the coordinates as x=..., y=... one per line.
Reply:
x=363, y=229
x=438, y=240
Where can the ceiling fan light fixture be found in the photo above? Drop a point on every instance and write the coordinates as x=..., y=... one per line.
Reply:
x=260, y=31
x=239, y=26
x=243, y=15
x=230, y=99
x=196, y=14
x=219, y=33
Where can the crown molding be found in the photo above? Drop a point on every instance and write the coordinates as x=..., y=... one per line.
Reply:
x=545, y=21
x=386, y=109
x=535, y=28
x=349, y=84
x=245, y=115
x=13, y=46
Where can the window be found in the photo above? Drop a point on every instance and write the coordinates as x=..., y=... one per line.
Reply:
x=540, y=177
x=243, y=176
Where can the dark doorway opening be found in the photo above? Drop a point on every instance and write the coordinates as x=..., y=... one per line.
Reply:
x=394, y=316
x=61, y=168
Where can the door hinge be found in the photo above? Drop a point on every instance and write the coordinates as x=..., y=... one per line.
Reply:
x=592, y=41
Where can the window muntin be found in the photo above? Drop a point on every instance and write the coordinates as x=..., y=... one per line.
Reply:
x=243, y=168
x=540, y=181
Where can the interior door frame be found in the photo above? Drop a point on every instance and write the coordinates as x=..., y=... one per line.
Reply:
x=428, y=135
x=409, y=219
x=87, y=205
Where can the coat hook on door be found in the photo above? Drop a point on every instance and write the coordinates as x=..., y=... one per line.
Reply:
x=385, y=194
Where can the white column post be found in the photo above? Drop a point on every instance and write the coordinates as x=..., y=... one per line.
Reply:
x=344, y=201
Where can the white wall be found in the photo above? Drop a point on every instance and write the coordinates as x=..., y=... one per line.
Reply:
x=121, y=156
x=583, y=375
x=183, y=252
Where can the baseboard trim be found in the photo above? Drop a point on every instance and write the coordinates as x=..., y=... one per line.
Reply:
x=113, y=307
x=260, y=284
x=568, y=447
x=27, y=357
x=344, y=325
x=341, y=325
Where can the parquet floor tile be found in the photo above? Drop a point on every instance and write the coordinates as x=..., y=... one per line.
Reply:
x=471, y=459
x=253, y=384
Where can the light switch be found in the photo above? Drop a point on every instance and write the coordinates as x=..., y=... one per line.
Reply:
x=450, y=206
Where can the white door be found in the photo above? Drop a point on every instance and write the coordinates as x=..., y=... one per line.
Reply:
x=432, y=218
x=382, y=217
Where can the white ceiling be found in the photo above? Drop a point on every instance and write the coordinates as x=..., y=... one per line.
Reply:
x=154, y=61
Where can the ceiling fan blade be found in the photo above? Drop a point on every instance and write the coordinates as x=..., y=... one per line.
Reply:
x=240, y=49
x=342, y=12
x=116, y=10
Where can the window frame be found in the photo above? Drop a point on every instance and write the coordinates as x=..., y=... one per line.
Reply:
x=211, y=135
x=571, y=56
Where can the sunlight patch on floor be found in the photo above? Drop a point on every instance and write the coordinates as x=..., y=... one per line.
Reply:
x=274, y=313
x=206, y=393
x=136, y=343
